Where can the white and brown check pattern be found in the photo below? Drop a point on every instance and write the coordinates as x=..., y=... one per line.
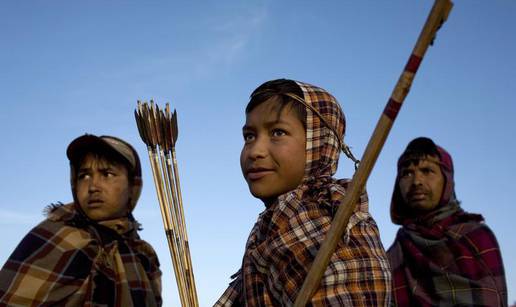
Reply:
x=285, y=239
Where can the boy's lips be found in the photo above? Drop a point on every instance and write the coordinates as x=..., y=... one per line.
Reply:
x=95, y=202
x=257, y=173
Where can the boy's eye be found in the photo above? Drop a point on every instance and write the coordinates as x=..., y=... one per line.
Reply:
x=278, y=132
x=82, y=176
x=248, y=137
x=109, y=174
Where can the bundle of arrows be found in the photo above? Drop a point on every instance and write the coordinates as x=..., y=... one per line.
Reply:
x=158, y=130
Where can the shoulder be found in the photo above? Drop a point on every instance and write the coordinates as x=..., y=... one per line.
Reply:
x=54, y=236
x=361, y=212
x=470, y=227
x=483, y=245
x=51, y=235
x=51, y=246
x=316, y=209
x=59, y=212
x=52, y=228
x=477, y=234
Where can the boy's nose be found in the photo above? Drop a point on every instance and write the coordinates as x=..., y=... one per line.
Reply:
x=258, y=149
x=94, y=184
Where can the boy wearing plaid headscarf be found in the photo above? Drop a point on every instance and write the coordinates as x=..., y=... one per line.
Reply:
x=442, y=255
x=88, y=253
x=293, y=136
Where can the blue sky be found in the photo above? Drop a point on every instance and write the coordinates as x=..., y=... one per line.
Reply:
x=71, y=67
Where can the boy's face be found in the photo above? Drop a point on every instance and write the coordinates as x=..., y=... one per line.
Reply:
x=273, y=156
x=421, y=184
x=102, y=189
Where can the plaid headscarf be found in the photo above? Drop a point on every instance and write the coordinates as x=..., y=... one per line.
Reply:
x=447, y=257
x=284, y=241
x=67, y=260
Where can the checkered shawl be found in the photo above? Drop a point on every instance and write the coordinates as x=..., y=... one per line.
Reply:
x=284, y=241
x=68, y=261
x=447, y=257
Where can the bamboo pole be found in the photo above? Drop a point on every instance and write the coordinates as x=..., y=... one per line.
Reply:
x=437, y=16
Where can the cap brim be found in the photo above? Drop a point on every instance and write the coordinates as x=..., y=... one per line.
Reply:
x=87, y=143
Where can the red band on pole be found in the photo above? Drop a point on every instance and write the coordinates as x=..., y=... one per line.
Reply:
x=392, y=108
x=413, y=63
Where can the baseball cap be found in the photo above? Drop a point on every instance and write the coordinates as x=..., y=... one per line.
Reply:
x=91, y=143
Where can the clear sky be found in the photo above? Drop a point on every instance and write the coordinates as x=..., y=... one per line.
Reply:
x=71, y=67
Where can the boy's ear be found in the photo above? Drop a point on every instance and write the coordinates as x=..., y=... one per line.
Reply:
x=137, y=181
x=136, y=190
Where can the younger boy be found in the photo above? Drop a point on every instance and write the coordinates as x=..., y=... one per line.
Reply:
x=293, y=137
x=88, y=253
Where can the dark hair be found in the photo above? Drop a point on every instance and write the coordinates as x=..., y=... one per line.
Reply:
x=418, y=149
x=109, y=156
x=279, y=88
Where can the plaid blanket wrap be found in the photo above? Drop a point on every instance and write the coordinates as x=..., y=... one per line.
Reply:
x=68, y=261
x=447, y=257
x=284, y=241
x=456, y=262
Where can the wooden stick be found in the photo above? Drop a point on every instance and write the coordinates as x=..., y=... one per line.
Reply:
x=437, y=16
